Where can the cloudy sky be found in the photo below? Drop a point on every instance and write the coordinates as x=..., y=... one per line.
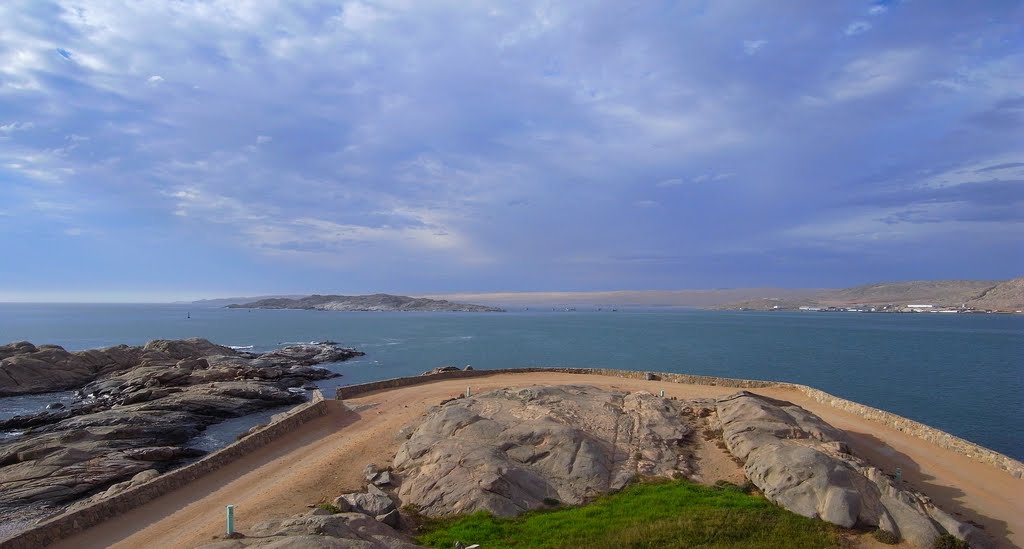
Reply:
x=173, y=149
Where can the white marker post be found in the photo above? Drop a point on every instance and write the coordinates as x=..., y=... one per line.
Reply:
x=469, y=391
x=231, y=519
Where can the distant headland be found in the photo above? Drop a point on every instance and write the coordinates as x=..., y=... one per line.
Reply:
x=922, y=296
x=1000, y=296
x=375, y=302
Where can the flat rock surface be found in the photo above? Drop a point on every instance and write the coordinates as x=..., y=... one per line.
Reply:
x=513, y=450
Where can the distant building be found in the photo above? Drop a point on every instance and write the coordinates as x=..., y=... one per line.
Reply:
x=920, y=306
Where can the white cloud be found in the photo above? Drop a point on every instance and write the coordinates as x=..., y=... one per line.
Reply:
x=857, y=27
x=16, y=127
x=708, y=177
x=878, y=10
x=360, y=17
x=875, y=225
x=421, y=122
x=47, y=166
x=751, y=47
x=1006, y=167
x=875, y=74
x=73, y=231
x=645, y=203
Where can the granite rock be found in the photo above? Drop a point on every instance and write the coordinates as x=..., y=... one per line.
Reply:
x=507, y=451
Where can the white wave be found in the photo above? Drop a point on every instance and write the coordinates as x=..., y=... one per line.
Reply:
x=240, y=347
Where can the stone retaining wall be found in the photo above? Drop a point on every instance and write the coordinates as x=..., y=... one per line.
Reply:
x=68, y=524
x=913, y=428
x=350, y=391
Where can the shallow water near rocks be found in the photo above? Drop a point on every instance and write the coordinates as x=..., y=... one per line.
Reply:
x=960, y=373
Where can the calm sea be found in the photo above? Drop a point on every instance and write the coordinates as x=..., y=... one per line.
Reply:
x=960, y=373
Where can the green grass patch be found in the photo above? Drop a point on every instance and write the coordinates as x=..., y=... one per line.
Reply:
x=648, y=515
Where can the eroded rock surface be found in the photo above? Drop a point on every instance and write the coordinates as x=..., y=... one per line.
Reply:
x=140, y=408
x=509, y=451
x=316, y=530
x=803, y=464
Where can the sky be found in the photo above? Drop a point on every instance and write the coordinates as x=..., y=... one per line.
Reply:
x=158, y=149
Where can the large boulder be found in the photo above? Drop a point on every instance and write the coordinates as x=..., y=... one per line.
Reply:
x=803, y=464
x=373, y=502
x=509, y=451
x=26, y=369
x=311, y=353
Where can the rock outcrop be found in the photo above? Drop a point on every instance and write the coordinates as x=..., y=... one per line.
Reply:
x=27, y=369
x=140, y=408
x=803, y=464
x=509, y=451
x=316, y=530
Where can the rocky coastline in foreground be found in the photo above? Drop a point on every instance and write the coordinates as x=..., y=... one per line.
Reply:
x=138, y=408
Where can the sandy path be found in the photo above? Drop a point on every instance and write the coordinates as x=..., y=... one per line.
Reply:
x=325, y=457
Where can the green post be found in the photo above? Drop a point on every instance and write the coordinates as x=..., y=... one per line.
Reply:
x=231, y=519
x=899, y=474
x=469, y=391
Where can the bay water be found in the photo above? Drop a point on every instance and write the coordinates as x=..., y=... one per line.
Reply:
x=960, y=373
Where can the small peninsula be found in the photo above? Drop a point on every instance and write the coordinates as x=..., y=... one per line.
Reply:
x=375, y=302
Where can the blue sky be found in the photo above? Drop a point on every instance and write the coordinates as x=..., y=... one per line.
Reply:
x=167, y=150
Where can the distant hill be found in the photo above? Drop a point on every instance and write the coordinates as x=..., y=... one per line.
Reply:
x=1005, y=296
x=982, y=295
x=937, y=292
x=223, y=301
x=375, y=302
x=630, y=298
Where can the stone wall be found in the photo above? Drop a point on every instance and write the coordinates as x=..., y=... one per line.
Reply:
x=68, y=524
x=351, y=391
x=913, y=428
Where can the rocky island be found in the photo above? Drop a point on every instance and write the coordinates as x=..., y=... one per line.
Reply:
x=365, y=303
x=139, y=408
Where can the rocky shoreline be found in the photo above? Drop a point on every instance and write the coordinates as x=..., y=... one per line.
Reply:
x=138, y=408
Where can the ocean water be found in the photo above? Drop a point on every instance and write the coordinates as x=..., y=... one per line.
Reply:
x=961, y=373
